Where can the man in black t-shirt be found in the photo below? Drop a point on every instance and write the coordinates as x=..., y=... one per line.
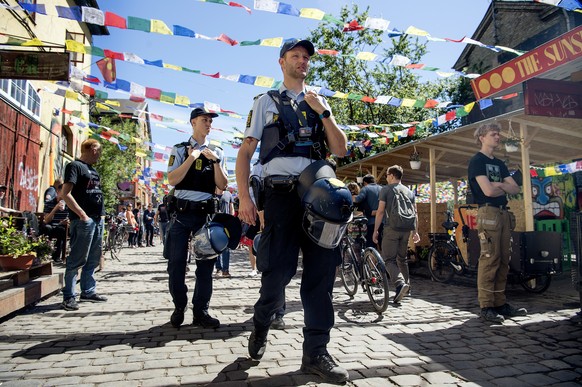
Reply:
x=162, y=218
x=490, y=182
x=82, y=194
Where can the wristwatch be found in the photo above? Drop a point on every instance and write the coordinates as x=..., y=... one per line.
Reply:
x=326, y=113
x=217, y=161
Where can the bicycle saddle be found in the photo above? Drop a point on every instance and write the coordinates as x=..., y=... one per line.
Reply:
x=448, y=225
x=360, y=221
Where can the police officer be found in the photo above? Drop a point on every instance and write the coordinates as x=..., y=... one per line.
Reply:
x=294, y=126
x=195, y=169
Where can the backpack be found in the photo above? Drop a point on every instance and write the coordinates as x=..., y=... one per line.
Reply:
x=402, y=216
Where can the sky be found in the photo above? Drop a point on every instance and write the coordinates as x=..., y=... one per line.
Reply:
x=445, y=19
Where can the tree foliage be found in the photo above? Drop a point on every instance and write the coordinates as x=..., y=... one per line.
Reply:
x=347, y=74
x=116, y=165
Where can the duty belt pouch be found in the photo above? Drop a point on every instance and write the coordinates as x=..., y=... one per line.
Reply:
x=258, y=191
x=171, y=204
x=281, y=183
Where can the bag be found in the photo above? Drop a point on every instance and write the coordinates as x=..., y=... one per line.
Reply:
x=402, y=216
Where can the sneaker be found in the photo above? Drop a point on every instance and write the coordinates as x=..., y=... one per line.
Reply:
x=326, y=367
x=177, y=318
x=491, y=315
x=95, y=297
x=401, y=291
x=278, y=323
x=70, y=304
x=253, y=273
x=507, y=310
x=206, y=321
x=257, y=344
x=226, y=274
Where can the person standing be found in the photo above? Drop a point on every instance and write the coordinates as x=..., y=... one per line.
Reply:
x=284, y=158
x=162, y=219
x=132, y=224
x=83, y=196
x=138, y=216
x=226, y=206
x=395, y=239
x=148, y=221
x=490, y=184
x=55, y=221
x=368, y=200
x=196, y=170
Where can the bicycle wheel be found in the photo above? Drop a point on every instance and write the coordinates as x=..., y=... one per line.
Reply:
x=348, y=270
x=116, y=244
x=441, y=258
x=536, y=283
x=376, y=279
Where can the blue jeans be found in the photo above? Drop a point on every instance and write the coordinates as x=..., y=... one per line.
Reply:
x=223, y=260
x=86, y=238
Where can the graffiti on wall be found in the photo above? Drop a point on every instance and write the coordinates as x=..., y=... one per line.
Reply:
x=28, y=181
x=553, y=197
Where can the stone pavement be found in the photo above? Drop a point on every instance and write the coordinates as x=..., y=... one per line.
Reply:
x=434, y=338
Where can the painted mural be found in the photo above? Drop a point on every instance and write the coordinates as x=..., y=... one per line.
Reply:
x=553, y=197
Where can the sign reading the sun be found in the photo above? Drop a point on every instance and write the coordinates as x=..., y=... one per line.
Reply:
x=548, y=56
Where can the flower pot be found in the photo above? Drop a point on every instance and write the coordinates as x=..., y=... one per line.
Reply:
x=359, y=179
x=510, y=148
x=22, y=262
x=415, y=164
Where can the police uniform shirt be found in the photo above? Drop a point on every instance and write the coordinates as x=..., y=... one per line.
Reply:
x=263, y=114
x=179, y=155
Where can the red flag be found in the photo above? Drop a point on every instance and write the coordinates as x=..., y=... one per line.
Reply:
x=227, y=40
x=113, y=54
x=107, y=68
x=352, y=26
x=113, y=20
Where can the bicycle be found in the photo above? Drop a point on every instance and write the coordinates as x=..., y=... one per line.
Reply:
x=117, y=235
x=363, y=266
x=445, y=258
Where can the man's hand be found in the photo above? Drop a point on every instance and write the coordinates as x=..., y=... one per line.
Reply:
x=209, y=154
x=314, y=101
x=247, y=212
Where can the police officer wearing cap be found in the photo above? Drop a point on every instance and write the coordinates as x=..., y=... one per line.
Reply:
x=295, y=128
x=195, y=169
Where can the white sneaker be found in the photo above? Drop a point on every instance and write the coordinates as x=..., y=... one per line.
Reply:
x=253, y=273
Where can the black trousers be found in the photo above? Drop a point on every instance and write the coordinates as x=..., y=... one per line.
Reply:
x=59, y=233
x=176, y=251
x=277, y=258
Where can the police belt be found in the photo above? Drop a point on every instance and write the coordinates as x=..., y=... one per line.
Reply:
x=281, y=182
x=501, y=207
x=202, y=207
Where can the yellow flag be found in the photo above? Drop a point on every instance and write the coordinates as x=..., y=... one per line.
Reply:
x=366, y=56
x=264, y=81
x=412, y=30
x=311, y=13
x=408, y=102
x=75, y=46
x=173, y=67
x=272, y=42
x=182, y=100
x=340, y=95
x=99, y=105
x=113, y=103
x=71, y=95
x=160, y=27
x=33, y=42
x=468, y=107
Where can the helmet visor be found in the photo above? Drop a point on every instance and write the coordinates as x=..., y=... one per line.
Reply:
x=325, y=234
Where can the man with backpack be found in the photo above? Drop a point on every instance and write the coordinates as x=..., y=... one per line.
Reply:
x=396, y=201
x=368, y=201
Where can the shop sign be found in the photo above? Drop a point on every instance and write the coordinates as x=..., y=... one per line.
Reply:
x=546, y=57
x=550, y=98
x=35, y=65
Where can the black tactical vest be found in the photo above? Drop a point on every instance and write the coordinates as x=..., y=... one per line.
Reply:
x=200, y=176
x=292, y=136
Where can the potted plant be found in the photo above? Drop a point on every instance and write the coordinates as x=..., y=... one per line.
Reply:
x=415, y=159
x=511, y=143
x=17, y=250
x=360, y=175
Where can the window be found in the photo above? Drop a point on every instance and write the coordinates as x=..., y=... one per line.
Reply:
x=33, y=14
x=21, y=93
x=76, y=57
x=67, y=140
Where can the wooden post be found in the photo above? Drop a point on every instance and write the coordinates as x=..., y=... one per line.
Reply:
x=433, y=204
x=526, y=187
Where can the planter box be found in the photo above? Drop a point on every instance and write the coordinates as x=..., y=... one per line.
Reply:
x=22, y=262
